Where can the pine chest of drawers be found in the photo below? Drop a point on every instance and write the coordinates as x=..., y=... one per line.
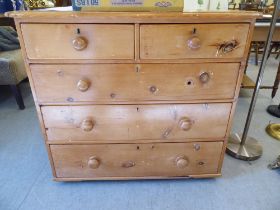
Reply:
x=135, y=95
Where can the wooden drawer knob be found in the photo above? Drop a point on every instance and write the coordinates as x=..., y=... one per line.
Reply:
x=83, y=85
x=93, y=162
x=87, y=125
x=79, y=43
x=194, y=43
x=204, y=77
x=182, y=162
x=185, y=123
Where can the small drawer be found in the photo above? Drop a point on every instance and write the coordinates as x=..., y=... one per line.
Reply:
x=130, y=83
x=136, y=160
x=182, y=41
x=79, y=41
x=136, y=122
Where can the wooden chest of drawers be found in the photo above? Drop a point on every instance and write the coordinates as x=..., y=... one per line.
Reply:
x=135, y=95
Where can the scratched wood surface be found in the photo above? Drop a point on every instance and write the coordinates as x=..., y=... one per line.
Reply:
x=134, y=82
x=173, y=41
x=130, y=160
x=55, y=41
x=102, y=81
x=132, y=122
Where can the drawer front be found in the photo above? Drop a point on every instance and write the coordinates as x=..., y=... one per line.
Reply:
x=79, y=41
x=180, y=41
x=136, y=160
x=132, y=122
x=121, y=82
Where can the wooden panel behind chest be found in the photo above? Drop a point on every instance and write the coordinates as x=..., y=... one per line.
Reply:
x=130, y=82
x=55, y=41
x=136, y=160
x=178, y=41
x=132, y=122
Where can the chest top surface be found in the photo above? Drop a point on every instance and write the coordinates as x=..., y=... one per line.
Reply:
x=135, y=17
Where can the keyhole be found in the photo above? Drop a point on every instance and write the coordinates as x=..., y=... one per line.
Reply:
x=78, y=31
x=189, y=82
x=194, y=31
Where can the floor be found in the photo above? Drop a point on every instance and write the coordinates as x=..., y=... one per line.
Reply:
x=26, y=179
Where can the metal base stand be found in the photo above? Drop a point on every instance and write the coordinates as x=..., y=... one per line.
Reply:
x=274, y=110
x=242, y=146
x=250, y=150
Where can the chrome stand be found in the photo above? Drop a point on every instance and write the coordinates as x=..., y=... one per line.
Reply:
x=245, y=147
x=250, y=150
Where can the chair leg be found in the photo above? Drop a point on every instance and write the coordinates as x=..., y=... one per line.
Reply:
x=17, y=94
x=277, y=56
x=276, y=82
x=257, y=54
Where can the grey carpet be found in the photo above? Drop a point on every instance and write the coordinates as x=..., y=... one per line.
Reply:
x=26, y=180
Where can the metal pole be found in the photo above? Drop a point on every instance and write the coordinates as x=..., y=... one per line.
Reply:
x=261, y=71
x=247, y=148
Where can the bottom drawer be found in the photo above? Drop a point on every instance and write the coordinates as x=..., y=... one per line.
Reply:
x=136, y=160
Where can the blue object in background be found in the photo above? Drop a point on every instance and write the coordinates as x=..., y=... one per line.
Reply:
x=7, y=5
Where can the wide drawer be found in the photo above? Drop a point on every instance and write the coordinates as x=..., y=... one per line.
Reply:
x=128, y=82
x=136, y=160
x=79, y=41
x=132, y=122
x=180, y=41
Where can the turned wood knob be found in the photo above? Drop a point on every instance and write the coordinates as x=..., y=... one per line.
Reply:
x=83, y=85
x=87, y=125
x=204, y=77
x=194, y=43
x=182, y=162
x=79, y=43
x=185, y=123
x=93, y=162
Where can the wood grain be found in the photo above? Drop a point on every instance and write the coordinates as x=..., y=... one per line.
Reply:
x=135, y=17
x=55, y=41
x=171, y=41
x=131, y=122
x=113, y=96
x=124, y=82
x=129, y=160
